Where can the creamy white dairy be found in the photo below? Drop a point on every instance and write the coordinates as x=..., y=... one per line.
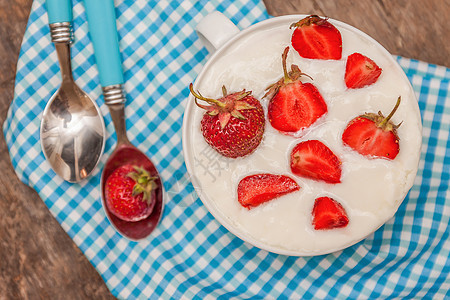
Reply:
x=371, y=189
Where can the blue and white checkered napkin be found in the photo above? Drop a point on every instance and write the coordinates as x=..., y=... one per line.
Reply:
x=190, y=255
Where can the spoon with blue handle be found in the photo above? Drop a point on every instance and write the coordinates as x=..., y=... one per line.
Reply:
x=72, y=127
x=103, y=31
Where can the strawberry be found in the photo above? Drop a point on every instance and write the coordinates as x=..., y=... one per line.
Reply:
x=312, y=159
x=130, y=193
x=294, y=105
x=256, y=189
x=327, y=213
x=317, y=38
x=373, y=135
x=360, y=71
x=234, y=124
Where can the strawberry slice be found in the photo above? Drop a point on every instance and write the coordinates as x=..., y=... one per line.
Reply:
x=294, y=105
x=373, y=135
x=312, y=159
x=316, y=38
x=328, y=214
x=360, y=71
x=256, y=189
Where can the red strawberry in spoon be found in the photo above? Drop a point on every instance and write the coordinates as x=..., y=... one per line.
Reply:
x=294, y=105
x=373, y=135
x=360, y=71
x=234, y=124
x=315, y=37
x=130, y=193
x=256, y=189
x=312, y=159
x=328, y=214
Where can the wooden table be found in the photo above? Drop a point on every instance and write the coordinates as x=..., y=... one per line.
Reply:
x=39, y=260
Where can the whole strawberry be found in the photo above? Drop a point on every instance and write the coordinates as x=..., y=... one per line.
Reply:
x=316, y=38
x=130, y=193
x=234, y=124
x=373, y=135
x=294, y=105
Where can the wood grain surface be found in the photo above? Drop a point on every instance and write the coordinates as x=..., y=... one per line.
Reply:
x=39, y=260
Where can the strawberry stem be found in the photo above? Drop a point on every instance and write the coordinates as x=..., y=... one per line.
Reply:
x=312, y=19
x=287, y=79
x=295, y=73
x=197, y=95
x=386, y=120
x=224, y=91
x=145, y=183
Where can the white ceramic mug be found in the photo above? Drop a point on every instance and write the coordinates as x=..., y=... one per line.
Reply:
x=222, y=37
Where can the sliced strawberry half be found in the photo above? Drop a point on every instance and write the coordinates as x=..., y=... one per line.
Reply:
x=313, y=159
x=316, y=38
x=360, y=71
x=256, y=189
x=328, y=214
x=373, y=135
x=294, y=105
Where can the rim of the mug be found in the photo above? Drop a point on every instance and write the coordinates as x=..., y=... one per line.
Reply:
x=189, y=155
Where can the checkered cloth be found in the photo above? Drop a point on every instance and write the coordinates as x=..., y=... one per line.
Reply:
x=190, y=255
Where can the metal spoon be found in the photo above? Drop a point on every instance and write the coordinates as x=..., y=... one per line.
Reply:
x=102, y=28
x=72, y=127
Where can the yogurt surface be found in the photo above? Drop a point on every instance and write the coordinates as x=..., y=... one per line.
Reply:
x=371, y=189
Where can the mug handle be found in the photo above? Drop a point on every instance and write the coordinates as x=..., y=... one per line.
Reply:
x=214, y=30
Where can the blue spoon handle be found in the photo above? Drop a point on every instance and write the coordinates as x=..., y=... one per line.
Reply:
x=59, y=11
x=101, y=18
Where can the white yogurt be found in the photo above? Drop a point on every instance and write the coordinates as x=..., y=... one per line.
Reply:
x=371, y=189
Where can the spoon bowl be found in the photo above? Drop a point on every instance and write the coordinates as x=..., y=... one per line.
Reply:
x=126, y=154
x=72, y=133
